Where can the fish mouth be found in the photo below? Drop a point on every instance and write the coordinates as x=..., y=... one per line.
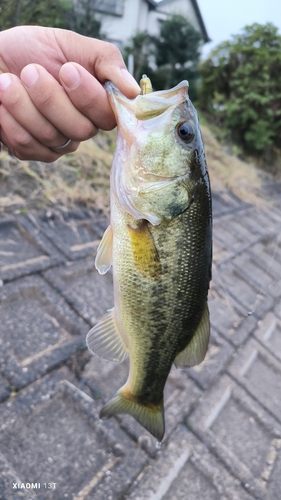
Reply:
x=150, y=105
x=146, y=176
x=153, y=182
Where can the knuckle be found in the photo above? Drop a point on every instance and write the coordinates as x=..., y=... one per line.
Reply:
x=113, y=50
x=45, y=98
x=110, y=124
x=23, y=140
x=109, y=52
x=49, y=157
x=13, y=99
x=109, y=49
x=73, y=146
x=19, y=155
x=50, y=135
x=86, y=131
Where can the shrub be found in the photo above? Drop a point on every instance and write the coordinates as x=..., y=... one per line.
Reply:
x=241, y=89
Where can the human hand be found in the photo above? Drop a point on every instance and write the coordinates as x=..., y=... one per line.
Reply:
x=60, y=95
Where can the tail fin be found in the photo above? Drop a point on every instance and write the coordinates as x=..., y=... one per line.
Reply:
x=150, y=418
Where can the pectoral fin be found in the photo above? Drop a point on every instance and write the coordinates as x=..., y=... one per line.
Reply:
x=145, y=253
x=196, y=350
x=106, y=341
x=103, y=260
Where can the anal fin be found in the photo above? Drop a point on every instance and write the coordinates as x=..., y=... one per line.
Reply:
x=195, y=351
x=106, y=341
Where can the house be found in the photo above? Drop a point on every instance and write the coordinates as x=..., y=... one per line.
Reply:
x=122, y=19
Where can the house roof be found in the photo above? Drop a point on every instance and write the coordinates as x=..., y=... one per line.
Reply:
x=200, y=20
x=195, y=5
x=152, y=3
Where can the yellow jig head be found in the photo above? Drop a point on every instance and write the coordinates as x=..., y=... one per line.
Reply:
x=145, y=85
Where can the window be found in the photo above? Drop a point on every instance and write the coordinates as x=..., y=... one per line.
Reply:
x=109, y=6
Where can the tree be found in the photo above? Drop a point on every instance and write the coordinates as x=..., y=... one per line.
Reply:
x=241, y=88
x=67, y=14
x=177, y=51
x=172, y=57
x=80, y=17
x=141, y=46
x=19, y=12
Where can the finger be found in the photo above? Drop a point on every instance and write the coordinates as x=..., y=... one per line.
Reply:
x=88, y=95
x=54, y=47
x=17, y=101
x=101, y=59
x=23, y=145
x=54, y=104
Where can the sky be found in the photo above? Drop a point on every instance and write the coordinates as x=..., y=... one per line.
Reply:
x=224, y=18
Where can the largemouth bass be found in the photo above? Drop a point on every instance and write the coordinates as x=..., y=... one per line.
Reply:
x=159, y=243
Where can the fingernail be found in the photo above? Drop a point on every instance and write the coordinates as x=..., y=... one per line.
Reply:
x=130, y=79
x=29, y=75
x=70, y=76
x=5, y=81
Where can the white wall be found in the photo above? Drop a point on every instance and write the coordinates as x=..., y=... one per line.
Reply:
x=137, y=17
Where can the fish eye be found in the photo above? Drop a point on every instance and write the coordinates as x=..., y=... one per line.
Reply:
x=185, y=131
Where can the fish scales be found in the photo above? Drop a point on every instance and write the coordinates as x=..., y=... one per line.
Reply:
x=161, y=273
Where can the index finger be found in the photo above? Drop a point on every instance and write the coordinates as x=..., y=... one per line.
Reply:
x=102, y=59
x=88, y=95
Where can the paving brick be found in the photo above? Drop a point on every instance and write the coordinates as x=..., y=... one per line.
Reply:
x=277, y=310
x=233, y=234
x=224, y=235
x=75, y=233
x=105, y=378
x=259, y=221
x=269, y=334
x=264, y=220
x=220, y=252
x=240, y=432
x=226, y=202
x=260, y=273
x=89, y=293
x=186, y=469
x=228, y=317
x=5, y=388
x=260, y=373
x=236, y=224
x=52, y=434
x=38, y=330
x=248, y=296
x=8, y=480
x=273, y=489
x=218, y=355
x=23, y=250
x=267, y=253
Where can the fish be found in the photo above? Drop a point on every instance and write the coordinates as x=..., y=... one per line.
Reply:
x=159, y=244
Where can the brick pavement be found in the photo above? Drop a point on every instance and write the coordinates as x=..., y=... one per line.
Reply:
x=223, y=418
